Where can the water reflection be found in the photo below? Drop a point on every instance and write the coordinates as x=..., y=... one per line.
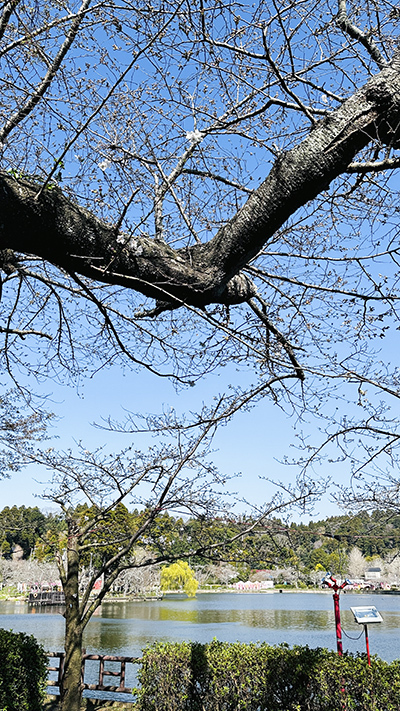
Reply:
x=283, y=619
x=199, y=612
x=108, y=636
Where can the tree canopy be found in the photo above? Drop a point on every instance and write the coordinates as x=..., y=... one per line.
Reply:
x=20, y=526
x=189, y=185
x=17, y=430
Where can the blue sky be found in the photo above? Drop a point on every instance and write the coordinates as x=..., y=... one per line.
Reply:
x=249, y=445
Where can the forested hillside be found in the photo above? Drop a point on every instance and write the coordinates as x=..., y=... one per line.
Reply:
x=342, y=544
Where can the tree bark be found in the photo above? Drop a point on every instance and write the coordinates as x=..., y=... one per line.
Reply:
x=48, y=224
x=71, y=685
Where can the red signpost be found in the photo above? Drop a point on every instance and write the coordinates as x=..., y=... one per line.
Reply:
x=332, y=583
x=367, y=644
x=364, y=616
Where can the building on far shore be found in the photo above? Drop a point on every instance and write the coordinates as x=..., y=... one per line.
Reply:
x=254, y=585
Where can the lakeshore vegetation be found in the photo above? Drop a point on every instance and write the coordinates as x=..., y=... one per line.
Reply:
x=221, y=676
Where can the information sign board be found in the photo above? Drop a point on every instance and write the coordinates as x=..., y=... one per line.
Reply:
x=366, y=615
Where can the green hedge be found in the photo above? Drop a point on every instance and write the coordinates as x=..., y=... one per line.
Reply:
x=23, y=672
x=257, y=677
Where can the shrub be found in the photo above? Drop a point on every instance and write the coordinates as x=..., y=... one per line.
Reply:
x=257, y=677
x=23, y=672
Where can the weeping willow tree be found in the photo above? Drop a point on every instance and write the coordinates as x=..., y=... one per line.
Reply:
x=179, y=576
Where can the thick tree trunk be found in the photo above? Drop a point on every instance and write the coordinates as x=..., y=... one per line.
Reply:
x=71, y=687
x=52, y=227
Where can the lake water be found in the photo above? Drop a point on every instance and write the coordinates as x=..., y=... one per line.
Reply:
x=297, y=618
x=124, y=628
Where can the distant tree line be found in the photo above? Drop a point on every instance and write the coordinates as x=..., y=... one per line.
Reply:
x=342, y=544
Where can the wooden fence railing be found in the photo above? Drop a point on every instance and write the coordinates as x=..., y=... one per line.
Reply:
x=102, y=671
